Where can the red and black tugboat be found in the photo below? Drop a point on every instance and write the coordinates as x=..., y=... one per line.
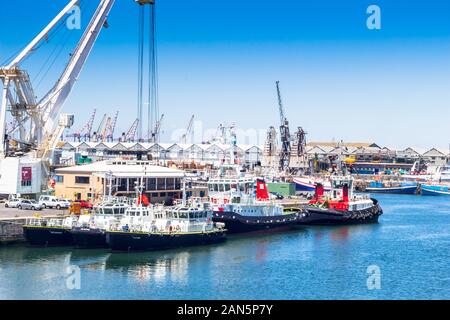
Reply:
x=341, y=205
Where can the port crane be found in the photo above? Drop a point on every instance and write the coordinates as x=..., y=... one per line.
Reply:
x=43, y=117
x=86, y=131
x=285, y=152
x=189, y=130
x=153, y=135
x=110, y=128
x=130, y=135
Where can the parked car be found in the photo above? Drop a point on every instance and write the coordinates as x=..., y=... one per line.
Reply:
x=12, y=203
x=26, y=204
x=53, y=202
x=85, y=204
x=277, y=195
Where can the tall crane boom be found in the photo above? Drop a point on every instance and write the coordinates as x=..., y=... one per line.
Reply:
x=54, y=100
x=131, y=133
x=154, y=134
x=285, y=153
x=188, y=130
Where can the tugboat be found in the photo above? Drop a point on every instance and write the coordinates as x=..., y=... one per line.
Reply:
x=147, y=228
x=342, y=205
x=243, y=204
x=49, y=232
x=90, y=230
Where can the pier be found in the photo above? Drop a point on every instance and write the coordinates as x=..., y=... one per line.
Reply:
x=12, y=220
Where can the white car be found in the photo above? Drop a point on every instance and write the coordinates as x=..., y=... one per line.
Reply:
x=53, y=202
x=12, y=203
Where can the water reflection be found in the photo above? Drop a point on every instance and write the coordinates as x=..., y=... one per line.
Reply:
x=155, y=266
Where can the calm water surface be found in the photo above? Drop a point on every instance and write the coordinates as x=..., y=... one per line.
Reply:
x=410, y=245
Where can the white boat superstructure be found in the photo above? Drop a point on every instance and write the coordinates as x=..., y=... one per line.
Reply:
x=246, y=195
x=158, y=219
x=104, y=214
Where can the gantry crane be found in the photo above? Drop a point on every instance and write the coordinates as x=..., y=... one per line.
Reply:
x=285, y=152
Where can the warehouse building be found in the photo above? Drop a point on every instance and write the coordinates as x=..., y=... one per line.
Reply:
x=92, y=181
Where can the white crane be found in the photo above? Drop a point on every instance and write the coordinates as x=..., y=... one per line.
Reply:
x=189, y=130
x=42, y=118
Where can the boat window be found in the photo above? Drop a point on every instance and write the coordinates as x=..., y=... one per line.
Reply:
x=182, y=215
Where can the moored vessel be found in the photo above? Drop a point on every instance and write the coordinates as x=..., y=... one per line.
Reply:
x=341, y=205
x=90, y=230
x=49, y=232
x=434, y=190
x=243, y=204
x=392, y=187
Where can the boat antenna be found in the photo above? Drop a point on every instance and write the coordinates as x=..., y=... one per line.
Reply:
x=184, y=191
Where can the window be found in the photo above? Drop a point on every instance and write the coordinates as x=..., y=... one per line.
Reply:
x=82, y=180
x=26, y=183
x=59, y=179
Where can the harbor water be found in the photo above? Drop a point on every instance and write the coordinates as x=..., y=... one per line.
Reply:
x=405, y=256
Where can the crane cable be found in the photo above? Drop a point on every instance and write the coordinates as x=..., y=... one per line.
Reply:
x=153, y=108
x=140, y=68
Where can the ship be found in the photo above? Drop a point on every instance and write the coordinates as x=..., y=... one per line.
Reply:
x=90, y=230
x=243, y=204
x=434, y=190
x=148, y=228
x=308, y=184
x=342, y=206
x=49, y=232
x=392, y=187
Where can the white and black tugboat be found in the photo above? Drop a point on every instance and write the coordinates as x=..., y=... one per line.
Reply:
x=49, y=231
x=90, y=230
x=342, y=205
x=153, y=227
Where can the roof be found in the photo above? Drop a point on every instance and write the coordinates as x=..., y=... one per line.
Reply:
x=121, y=168
x=346, y=144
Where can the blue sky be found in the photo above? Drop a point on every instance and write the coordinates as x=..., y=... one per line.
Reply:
x=220, y=60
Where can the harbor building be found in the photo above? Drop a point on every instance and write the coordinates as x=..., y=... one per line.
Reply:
x=118, y=177
x=70, y=153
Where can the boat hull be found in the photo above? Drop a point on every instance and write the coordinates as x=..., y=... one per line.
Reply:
x=305, y=185
x=129, y=241
x=89, y=238
x=47, y=236
x=434, y=191
x=394, y=190
x=235, y=223
x=333, y=217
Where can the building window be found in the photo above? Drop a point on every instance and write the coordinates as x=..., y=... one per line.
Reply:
x=26, y=183
x=81, y=180
x=59, y=179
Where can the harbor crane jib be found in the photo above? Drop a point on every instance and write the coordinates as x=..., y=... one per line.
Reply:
x=285, y=153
